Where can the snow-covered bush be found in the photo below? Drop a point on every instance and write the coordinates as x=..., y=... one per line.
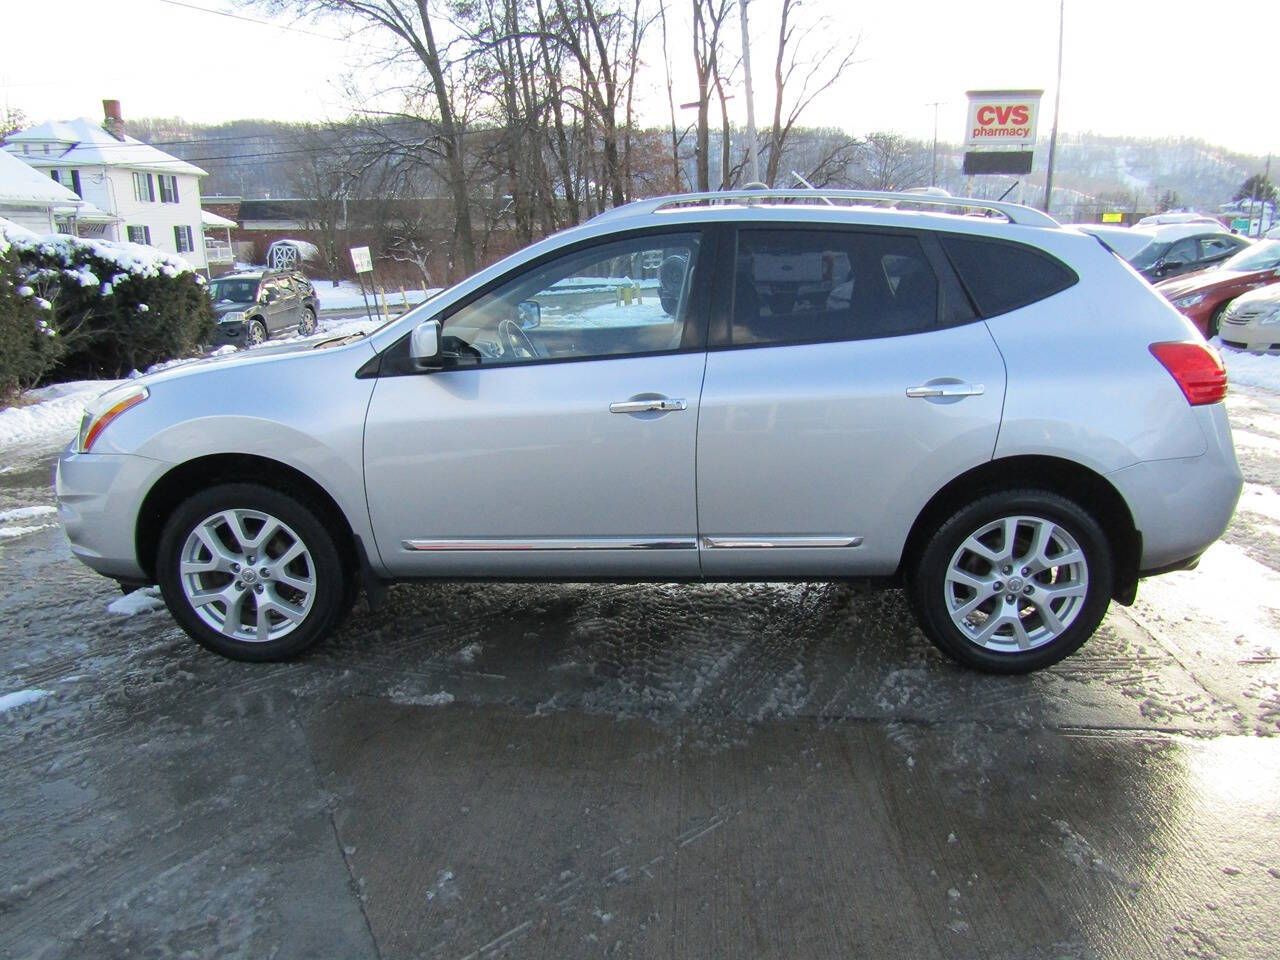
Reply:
x=28, y=346
x=112, y=307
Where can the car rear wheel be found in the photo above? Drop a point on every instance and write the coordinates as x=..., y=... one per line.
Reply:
x=251, y=573
x=307, y=325
x=1014, y=581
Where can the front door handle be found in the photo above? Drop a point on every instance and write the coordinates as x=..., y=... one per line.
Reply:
x=947, y=390
x=647, y=406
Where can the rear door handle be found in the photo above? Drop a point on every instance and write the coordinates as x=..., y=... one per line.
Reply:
x=647, y=406
x=947, y=390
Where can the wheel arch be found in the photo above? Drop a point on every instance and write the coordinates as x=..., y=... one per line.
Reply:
x=1089, y=489
x=203, y=472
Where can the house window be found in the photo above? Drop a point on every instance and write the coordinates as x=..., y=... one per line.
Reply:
x=182, y=238
x=69, y=179
x=140, y=235
x=144, y=188
x=168, y=188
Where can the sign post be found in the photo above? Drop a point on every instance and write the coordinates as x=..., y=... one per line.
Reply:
x=363, y=262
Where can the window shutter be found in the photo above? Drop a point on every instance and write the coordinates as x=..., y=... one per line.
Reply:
x=151, y=188
x=75, y=183
x=146, y=235
x=177, y=239
x=174, y=180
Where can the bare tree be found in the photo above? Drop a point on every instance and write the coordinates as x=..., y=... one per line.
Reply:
x=709, y=18
x=803, y=68
x=892, y=162
x=410, y=27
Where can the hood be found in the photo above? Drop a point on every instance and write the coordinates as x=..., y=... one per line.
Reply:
x=1268, y=294
x=233, y=357
x=1200, y=280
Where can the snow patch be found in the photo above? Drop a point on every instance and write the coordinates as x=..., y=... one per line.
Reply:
x=422, y=700
x=140, y=601
x=346, y=296
x=10, y=701
x=1251, y=369
x=9, y=533
x=26, y=513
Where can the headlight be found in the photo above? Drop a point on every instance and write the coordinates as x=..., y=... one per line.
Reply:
x=233, y=317
x=99, y=414
x=1270, y=318
x=1191, y=301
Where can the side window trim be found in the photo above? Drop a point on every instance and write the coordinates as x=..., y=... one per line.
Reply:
x=394, y=360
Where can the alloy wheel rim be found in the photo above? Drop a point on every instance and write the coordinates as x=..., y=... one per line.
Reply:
x=256, y=334
x=1016, y=584
x=248, y=575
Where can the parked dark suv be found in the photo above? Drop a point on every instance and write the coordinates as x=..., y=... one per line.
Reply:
x=252, y=307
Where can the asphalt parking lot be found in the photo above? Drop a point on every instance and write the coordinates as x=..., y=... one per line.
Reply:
x=643, y=771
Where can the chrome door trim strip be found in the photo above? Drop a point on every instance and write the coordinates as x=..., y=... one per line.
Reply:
x=552, y=543
x=766, y=543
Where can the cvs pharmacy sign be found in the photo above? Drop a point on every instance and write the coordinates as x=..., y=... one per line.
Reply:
x=1002, y=118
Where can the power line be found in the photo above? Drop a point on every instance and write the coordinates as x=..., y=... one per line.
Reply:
x=239, y=16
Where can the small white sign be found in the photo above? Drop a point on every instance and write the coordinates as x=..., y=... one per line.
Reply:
x=361, y=260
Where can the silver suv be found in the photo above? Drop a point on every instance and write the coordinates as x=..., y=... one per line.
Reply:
x=963, y=397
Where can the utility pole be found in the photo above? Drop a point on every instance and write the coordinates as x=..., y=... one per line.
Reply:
x=753, y=157
x=933, y=177
x=1057, y=101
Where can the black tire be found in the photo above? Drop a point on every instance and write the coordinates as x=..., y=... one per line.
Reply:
x=927, y=580
x=307, y=325
x=255, y=332
x=333, y=583
x=1215, y=321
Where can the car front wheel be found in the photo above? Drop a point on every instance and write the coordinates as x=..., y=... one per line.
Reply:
x=255, y=333
x=1014, y=581
x=307, y=325
x=251, y=573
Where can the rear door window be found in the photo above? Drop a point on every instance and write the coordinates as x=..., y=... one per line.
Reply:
x=811, y=286
x=1002, y=275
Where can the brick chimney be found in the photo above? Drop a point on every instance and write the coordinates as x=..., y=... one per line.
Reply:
x=112, y=121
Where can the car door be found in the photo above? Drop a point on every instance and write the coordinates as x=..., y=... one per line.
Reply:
x=559, y=439
x=835, y=404
x=1180, y=258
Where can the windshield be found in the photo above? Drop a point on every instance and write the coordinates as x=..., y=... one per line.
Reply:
x=233, y=290
x=1261, y=256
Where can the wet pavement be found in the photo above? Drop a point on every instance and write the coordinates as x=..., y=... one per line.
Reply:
x=642, y=771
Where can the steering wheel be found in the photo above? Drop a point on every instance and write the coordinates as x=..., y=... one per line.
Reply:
x=516, y=340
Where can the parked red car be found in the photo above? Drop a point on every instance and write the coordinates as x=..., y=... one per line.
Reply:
x=1203, y=296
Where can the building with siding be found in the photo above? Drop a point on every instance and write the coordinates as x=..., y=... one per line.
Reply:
x=139, y=194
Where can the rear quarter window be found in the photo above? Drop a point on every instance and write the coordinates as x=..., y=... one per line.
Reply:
x=1001, y=275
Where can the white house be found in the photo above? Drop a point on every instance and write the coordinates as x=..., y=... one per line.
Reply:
x=33, y=200
x=144, y=194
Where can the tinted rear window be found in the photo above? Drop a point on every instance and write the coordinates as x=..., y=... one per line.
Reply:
x=1003, y=276
x=807, y=286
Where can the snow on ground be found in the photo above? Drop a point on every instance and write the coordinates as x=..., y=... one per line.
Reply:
x=140, y=601
x=9, y=701
x=1253, y=369
x=346, y=296
x=25, y=513
x=57, y=411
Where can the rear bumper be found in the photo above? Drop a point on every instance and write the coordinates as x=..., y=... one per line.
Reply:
x=99, y=496
x=1182, y=505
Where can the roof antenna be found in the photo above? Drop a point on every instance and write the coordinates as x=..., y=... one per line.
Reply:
x=811, y=187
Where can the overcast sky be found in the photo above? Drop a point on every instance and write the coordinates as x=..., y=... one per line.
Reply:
x=1137, y=67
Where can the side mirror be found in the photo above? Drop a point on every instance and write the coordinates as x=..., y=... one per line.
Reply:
x=424, y=345
x=264, y=298
x=1171, y=264
x=529, y=314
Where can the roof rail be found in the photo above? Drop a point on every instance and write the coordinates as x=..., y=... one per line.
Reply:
x=1013, y=212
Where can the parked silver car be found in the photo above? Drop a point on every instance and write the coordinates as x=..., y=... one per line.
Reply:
x=1252, y=321
x=995, y=411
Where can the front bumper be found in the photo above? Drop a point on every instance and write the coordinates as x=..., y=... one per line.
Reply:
x=1253, y=337
x=232, y=333
x=99, y=497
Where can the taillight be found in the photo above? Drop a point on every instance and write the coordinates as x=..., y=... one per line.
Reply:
x=1196, y=367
